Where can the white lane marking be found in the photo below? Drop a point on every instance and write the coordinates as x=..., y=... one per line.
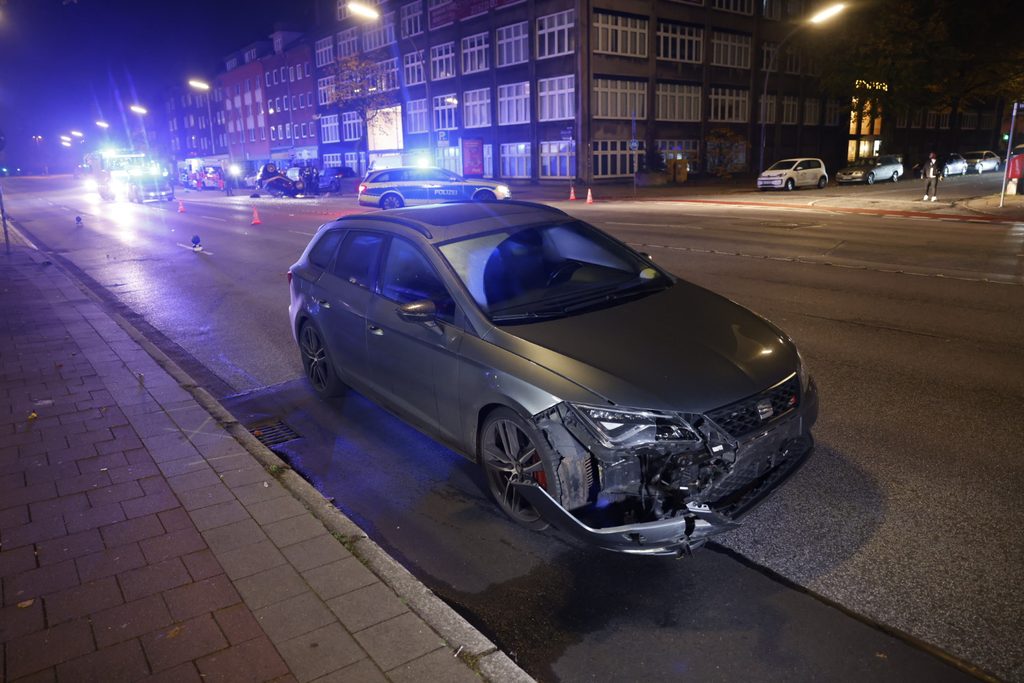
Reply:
x=214, y=218
x=189, y=247
x=656, y=225
x=299, y=232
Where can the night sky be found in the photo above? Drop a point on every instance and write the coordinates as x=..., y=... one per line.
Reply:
x=66, y=63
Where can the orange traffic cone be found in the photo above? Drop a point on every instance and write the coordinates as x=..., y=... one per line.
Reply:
x=255, y=217
x=572, y=193
x=590, y=196
x=181, y=206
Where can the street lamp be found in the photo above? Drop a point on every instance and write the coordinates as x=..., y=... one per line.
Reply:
x=818, y=18
x=139, y=109
x=203, y=86
x=363, y=10
x=77, y=133
x=103, y=124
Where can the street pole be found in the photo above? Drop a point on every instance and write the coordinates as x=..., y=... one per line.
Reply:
x=772, y=62
x=3, y=218
x=209, y=122
x=1009, y=146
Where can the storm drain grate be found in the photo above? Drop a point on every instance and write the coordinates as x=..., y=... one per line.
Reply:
x=273, y=433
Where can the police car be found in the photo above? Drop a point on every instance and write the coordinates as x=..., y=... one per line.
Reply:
x=392, y=188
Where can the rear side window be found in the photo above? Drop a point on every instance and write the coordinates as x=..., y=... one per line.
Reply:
x=358, y=258
x=323, y=251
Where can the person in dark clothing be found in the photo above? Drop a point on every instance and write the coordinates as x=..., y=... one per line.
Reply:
x=931, y=171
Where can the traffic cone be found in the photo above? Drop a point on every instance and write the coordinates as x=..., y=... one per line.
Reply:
x=572, y=193
x=255, y=217
x=590, y=196
x=181, y=206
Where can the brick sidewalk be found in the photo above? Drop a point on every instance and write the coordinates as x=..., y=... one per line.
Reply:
x=140, y=541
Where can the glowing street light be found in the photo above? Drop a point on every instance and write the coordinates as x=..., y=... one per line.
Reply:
x=361, y=10
x=65, y=138
x=817, y=19
x=139, y=109
x=66, y=143
x=203, y=86
x=103, y=124
x=199, y=85
x=77, y=133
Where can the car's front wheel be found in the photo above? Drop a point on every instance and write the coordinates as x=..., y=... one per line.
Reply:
x=391, y=201
x=317, y=363
x=870, y=179
x=895, y=176
x=511, y=449
x=790, y=185
x=484, y=196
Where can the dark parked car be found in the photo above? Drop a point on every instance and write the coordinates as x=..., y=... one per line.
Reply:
x=338, y=179
x=598, y=392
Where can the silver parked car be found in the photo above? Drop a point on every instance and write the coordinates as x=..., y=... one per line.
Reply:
x=871, y=170
x=953, y=164
x=981, y=161
x=598, y=392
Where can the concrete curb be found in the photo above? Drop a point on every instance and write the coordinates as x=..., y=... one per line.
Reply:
x=469, y=644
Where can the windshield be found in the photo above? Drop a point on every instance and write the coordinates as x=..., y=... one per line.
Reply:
x=548, y=270
x=783, y=165
x=973, y=155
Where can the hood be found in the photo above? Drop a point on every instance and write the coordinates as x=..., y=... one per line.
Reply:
x=682, y=349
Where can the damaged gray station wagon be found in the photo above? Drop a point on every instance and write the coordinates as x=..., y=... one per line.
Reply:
x=598, y=392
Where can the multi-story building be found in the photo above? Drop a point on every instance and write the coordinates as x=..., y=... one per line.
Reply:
x=196, y=137
x=291, y=109
x=515, y=89
x=242, y=87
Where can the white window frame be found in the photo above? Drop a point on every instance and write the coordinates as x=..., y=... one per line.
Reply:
x=556, y=98
x=445, y=108
x=351, y=126
x=411, y=16
x=416, y=117
x=348, y=42
x=968, y=120
x=329, y=129
x=730, y=49
x=379, y=33
x=516, y=159
x=618, y=99
x=678, y=102
x=442, y=61
x=387, y=72
x=790, y=110
x=734, y=6
x=412, y=63
x=512, y=43
x=558, y=159
x=556, y=34
x=514, y=103
x=766, y=112
x=476, y=108
x=615, y=159
x=812, y=111
x=325, y=90
x=729, y=105
x=680, y=43
x=332, y=160
x=325, y=51
x=618, y=34
x=476, y=53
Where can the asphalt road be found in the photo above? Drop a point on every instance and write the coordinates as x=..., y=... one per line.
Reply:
x=908, y=514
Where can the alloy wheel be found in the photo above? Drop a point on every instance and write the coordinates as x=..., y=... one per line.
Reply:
x=314, y=357
x=508, y=454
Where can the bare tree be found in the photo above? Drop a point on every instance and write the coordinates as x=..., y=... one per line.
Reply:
x=370, y=89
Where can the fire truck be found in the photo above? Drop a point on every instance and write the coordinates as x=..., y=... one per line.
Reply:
x=112, y=173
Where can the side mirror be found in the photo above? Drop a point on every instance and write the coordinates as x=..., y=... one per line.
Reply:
x=422, y=311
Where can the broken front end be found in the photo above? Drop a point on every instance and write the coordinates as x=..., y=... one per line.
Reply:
x=663, y=483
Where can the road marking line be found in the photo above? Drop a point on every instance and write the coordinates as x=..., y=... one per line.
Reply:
x=214, y=218
x=189, y=247
x=299, y=232
x=656, y=225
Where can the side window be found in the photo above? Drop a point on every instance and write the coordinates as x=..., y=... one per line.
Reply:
x=323, y=251
x=801, y=166
x=358, y=258
x=408, y=276
x=384, y=177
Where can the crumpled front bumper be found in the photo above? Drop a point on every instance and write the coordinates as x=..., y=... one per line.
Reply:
x=788, y=444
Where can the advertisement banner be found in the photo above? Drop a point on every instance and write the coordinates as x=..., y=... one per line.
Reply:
x=473, y=157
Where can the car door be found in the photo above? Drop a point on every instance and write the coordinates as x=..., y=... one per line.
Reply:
x=415, y=362
x=801, y=173
x=440, y=185
x=343, y=294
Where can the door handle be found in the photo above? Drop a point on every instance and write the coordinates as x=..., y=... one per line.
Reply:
x=376, y=330
x=323, y=302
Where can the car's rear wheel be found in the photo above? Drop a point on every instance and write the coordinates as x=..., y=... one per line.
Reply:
x=895, y=176
x=391, y=201
x=822, y=182
x=317, y=363
x=512, y=449
x=484, y=196
x=871, y=179
x=790, y=185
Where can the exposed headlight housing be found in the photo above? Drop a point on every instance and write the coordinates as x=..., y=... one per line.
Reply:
x=615, y=428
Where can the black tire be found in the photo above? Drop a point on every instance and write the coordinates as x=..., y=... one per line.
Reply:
x=895, y=176
x=823, y=181
x=870, y=179
x=790, y=185
x=484, y=196
x=334, y=187
x=391, y=201
x=317, y=363
x=508, y=445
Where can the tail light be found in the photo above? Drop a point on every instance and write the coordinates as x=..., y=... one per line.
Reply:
x=362, y=188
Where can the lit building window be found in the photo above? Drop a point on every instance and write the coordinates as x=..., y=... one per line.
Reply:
x=444, y=111
x=558, y=159
x=515, y=160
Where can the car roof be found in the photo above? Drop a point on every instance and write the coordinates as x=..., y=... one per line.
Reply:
x=453, y=220
x=406, y=168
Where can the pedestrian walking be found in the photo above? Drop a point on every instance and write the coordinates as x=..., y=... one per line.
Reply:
x=931, y=171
